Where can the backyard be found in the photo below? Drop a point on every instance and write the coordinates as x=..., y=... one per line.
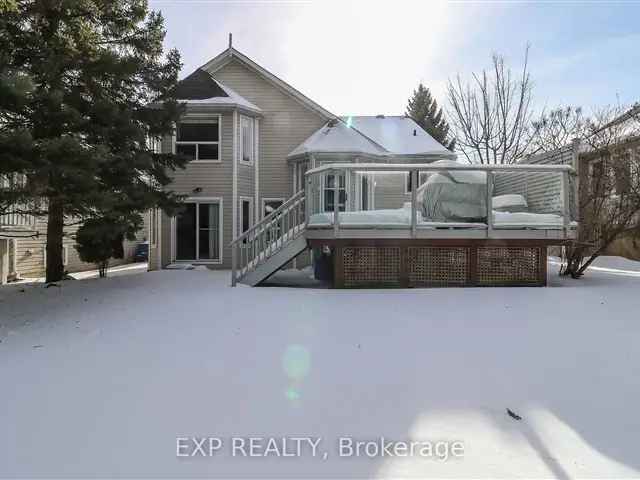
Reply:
x=99, y=377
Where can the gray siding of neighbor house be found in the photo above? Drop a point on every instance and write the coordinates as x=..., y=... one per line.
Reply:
x=285, y=125
x=30, y=252
x=542, y=191
x=389, y=191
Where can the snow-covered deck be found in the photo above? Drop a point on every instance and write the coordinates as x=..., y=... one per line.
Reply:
x=408, y=222
x=99, y=377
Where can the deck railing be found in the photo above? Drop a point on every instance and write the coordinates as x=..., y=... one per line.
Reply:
x=314, y=182
x=11, y=217
x=267, y=237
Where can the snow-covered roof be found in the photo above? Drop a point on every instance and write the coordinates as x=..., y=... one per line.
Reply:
x=200, y=88
x=397, y=134
x=375, y=136
x=337, y=137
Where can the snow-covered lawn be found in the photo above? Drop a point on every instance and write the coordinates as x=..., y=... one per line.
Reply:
x=99, y=377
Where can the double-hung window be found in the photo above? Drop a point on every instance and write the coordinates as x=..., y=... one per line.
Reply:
x=199, y=140
x=247, y=144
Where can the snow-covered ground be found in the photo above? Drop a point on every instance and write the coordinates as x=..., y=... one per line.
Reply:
x=126, y=269
x=99, y=377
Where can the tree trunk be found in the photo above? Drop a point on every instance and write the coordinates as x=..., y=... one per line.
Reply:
x=55, y=230
x=103, y=267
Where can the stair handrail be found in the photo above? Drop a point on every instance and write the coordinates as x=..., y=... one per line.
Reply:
x=243, y=248
x=269, y=217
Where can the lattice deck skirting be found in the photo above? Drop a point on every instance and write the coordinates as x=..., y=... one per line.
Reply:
x=411, y=265
x=374, y=266
x=508, y=265
x=437, y=266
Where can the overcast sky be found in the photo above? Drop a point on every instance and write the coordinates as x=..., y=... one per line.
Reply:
x=367, y=57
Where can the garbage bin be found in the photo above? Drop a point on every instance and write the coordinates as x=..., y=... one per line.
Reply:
x=323, y=264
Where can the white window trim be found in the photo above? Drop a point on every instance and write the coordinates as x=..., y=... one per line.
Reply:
x=218, y=200
x=14, y=259
x=269, y=199
x=421, y=175
x=358, y=187
x=251, y=213
x=347, y=189
x=253, y=131
x=153, y=222
x=206, y=119
x=65, y=255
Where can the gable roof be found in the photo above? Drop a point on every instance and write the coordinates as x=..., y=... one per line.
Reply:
x=200, y=88
x=377, y=136
x=231, y=53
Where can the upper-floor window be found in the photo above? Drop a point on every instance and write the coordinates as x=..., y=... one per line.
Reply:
x=247, y=144
x=199, y=140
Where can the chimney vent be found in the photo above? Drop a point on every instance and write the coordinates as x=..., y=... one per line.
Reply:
x=414, y=132
x=379, y=116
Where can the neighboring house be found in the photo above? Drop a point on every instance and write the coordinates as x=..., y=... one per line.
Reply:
x=273, y=174
x=588, y=164
x=23, y=247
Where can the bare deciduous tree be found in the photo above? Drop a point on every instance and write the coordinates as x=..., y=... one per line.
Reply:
x=491, y=115
x=609, y=192
x=557, y=128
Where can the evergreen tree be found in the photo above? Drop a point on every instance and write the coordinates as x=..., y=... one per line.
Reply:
x=100, y=239
x=424, y=110
x=84, y=85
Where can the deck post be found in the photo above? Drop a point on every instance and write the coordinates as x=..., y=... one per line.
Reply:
x=414, y=197
x=489, y=204
x=336, y=202
x=233, y=264
x=566, y=210
x=307, y=200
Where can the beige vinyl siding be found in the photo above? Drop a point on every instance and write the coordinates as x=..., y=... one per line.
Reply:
x=285, y=124
x=215, y=180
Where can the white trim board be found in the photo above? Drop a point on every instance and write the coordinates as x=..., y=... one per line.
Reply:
x=244, y=198
x=234, y=184
x=256, y=170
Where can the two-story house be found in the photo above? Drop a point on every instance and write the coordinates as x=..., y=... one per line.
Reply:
x=251, y=136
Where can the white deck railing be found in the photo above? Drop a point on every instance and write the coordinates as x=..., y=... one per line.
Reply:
x=314, y=178
x=17, y=221
x=12, y=218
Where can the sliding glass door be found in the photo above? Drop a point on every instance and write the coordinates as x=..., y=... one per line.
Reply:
x=198, y=232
